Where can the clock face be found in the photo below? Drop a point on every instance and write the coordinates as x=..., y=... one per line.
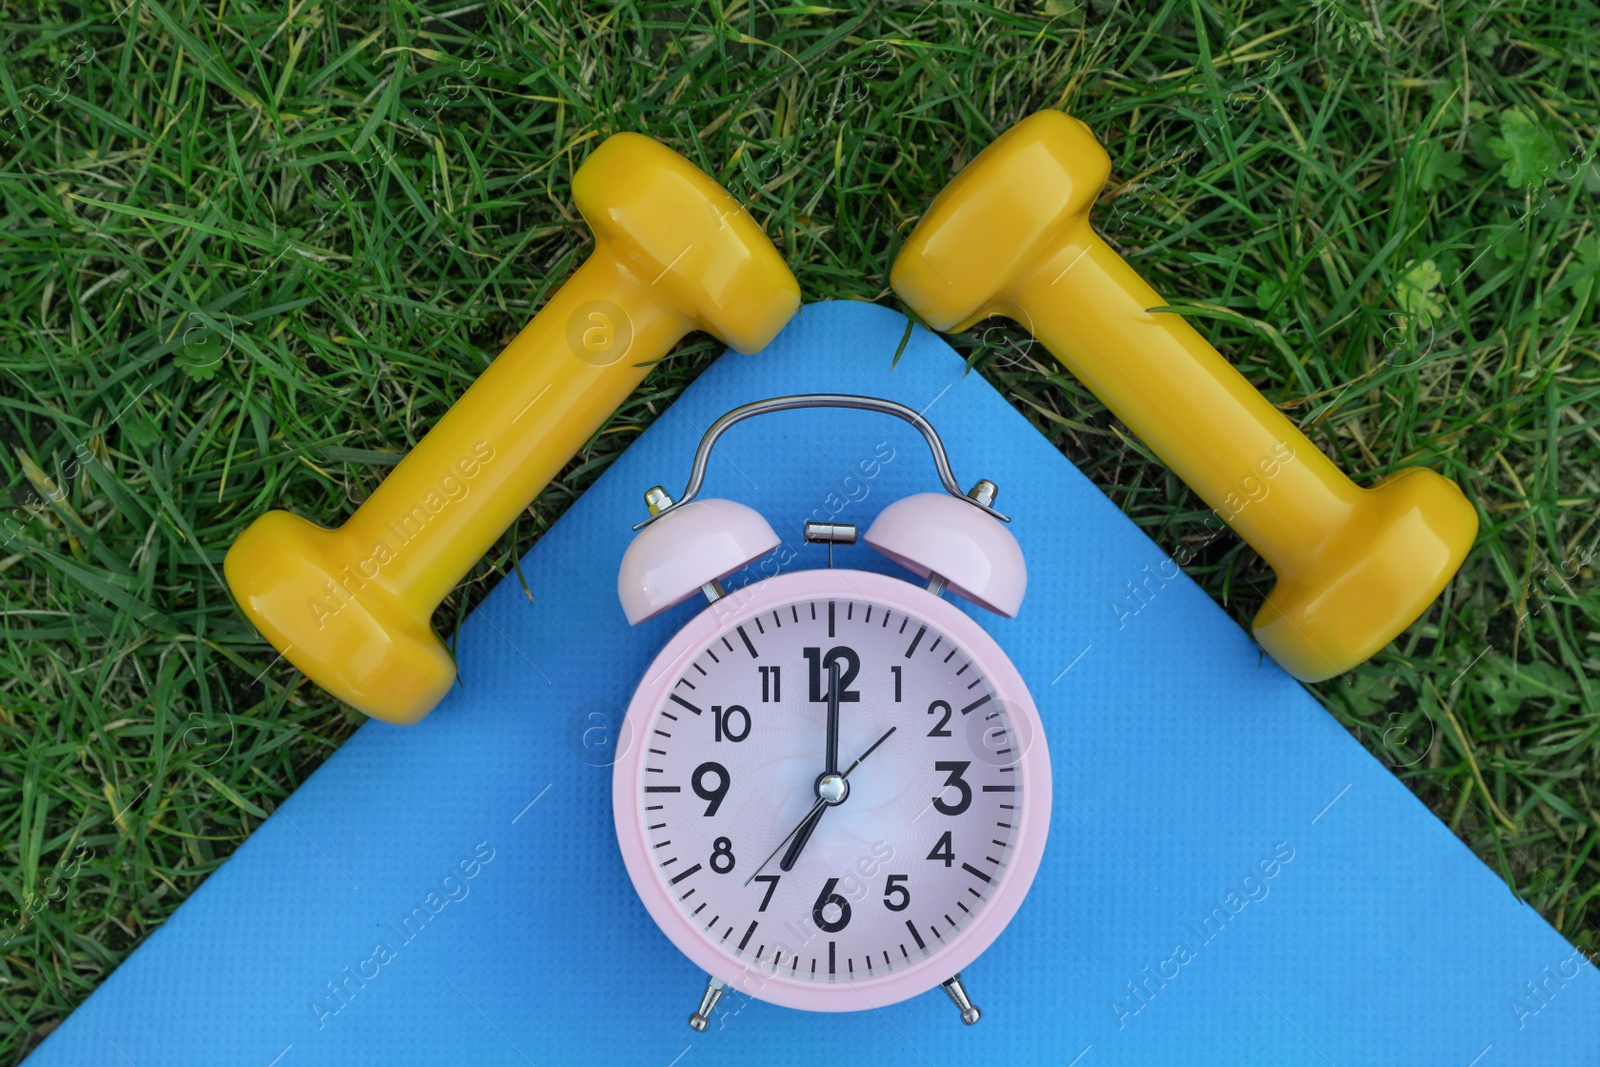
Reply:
x=943, y=818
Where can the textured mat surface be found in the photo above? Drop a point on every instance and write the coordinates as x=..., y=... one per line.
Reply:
x=1182, y=761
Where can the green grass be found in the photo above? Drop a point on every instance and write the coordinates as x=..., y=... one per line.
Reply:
x=248, y=259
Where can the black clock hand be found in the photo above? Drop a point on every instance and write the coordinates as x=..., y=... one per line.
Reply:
x=830, y=758
x=820, y=805
x=830, y=768
x=814, y=809
x=792, y=857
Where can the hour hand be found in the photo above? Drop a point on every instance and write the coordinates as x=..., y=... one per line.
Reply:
x=791, y=857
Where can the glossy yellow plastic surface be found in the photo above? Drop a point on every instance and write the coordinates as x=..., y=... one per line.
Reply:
x=351, y=607
x=1011, y=236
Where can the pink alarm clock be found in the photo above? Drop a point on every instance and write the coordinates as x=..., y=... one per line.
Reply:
x=838, y=789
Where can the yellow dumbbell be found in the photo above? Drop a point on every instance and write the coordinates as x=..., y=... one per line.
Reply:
x=1011, y=236
x=673, y=253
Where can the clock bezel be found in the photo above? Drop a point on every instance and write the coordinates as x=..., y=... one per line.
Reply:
x=1030, y=832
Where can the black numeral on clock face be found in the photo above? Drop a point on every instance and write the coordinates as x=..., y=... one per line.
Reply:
x=954, y=769
x=942, y=850
x=722, y=855
x=771, y=685
x=849, y=666
x=711, y=794
x=729, y=724
x=942, y=727
x=824, y=899
x=896, y=897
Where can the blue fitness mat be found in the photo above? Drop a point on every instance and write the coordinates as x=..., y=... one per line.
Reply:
x=1186, y=767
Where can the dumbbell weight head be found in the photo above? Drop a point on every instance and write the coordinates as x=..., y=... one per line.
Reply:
x=674, y=227
x=1011, y=207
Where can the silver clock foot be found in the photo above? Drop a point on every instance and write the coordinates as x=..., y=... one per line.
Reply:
x=958, y=993
x=708, y=1003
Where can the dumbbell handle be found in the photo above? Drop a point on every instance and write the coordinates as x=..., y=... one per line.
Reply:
x=531, y=410
x=1199, y=415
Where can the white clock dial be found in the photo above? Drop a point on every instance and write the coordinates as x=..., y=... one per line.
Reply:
x=732, y=754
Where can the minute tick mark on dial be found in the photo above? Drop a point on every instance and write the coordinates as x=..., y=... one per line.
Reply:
x=699, y=668
x=935, y=644
x=759, y=628
x=950, y=655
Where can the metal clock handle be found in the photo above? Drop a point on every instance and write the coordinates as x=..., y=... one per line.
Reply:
x=702, y=456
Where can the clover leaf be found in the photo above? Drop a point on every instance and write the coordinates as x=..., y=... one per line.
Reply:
x=1528, y=149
